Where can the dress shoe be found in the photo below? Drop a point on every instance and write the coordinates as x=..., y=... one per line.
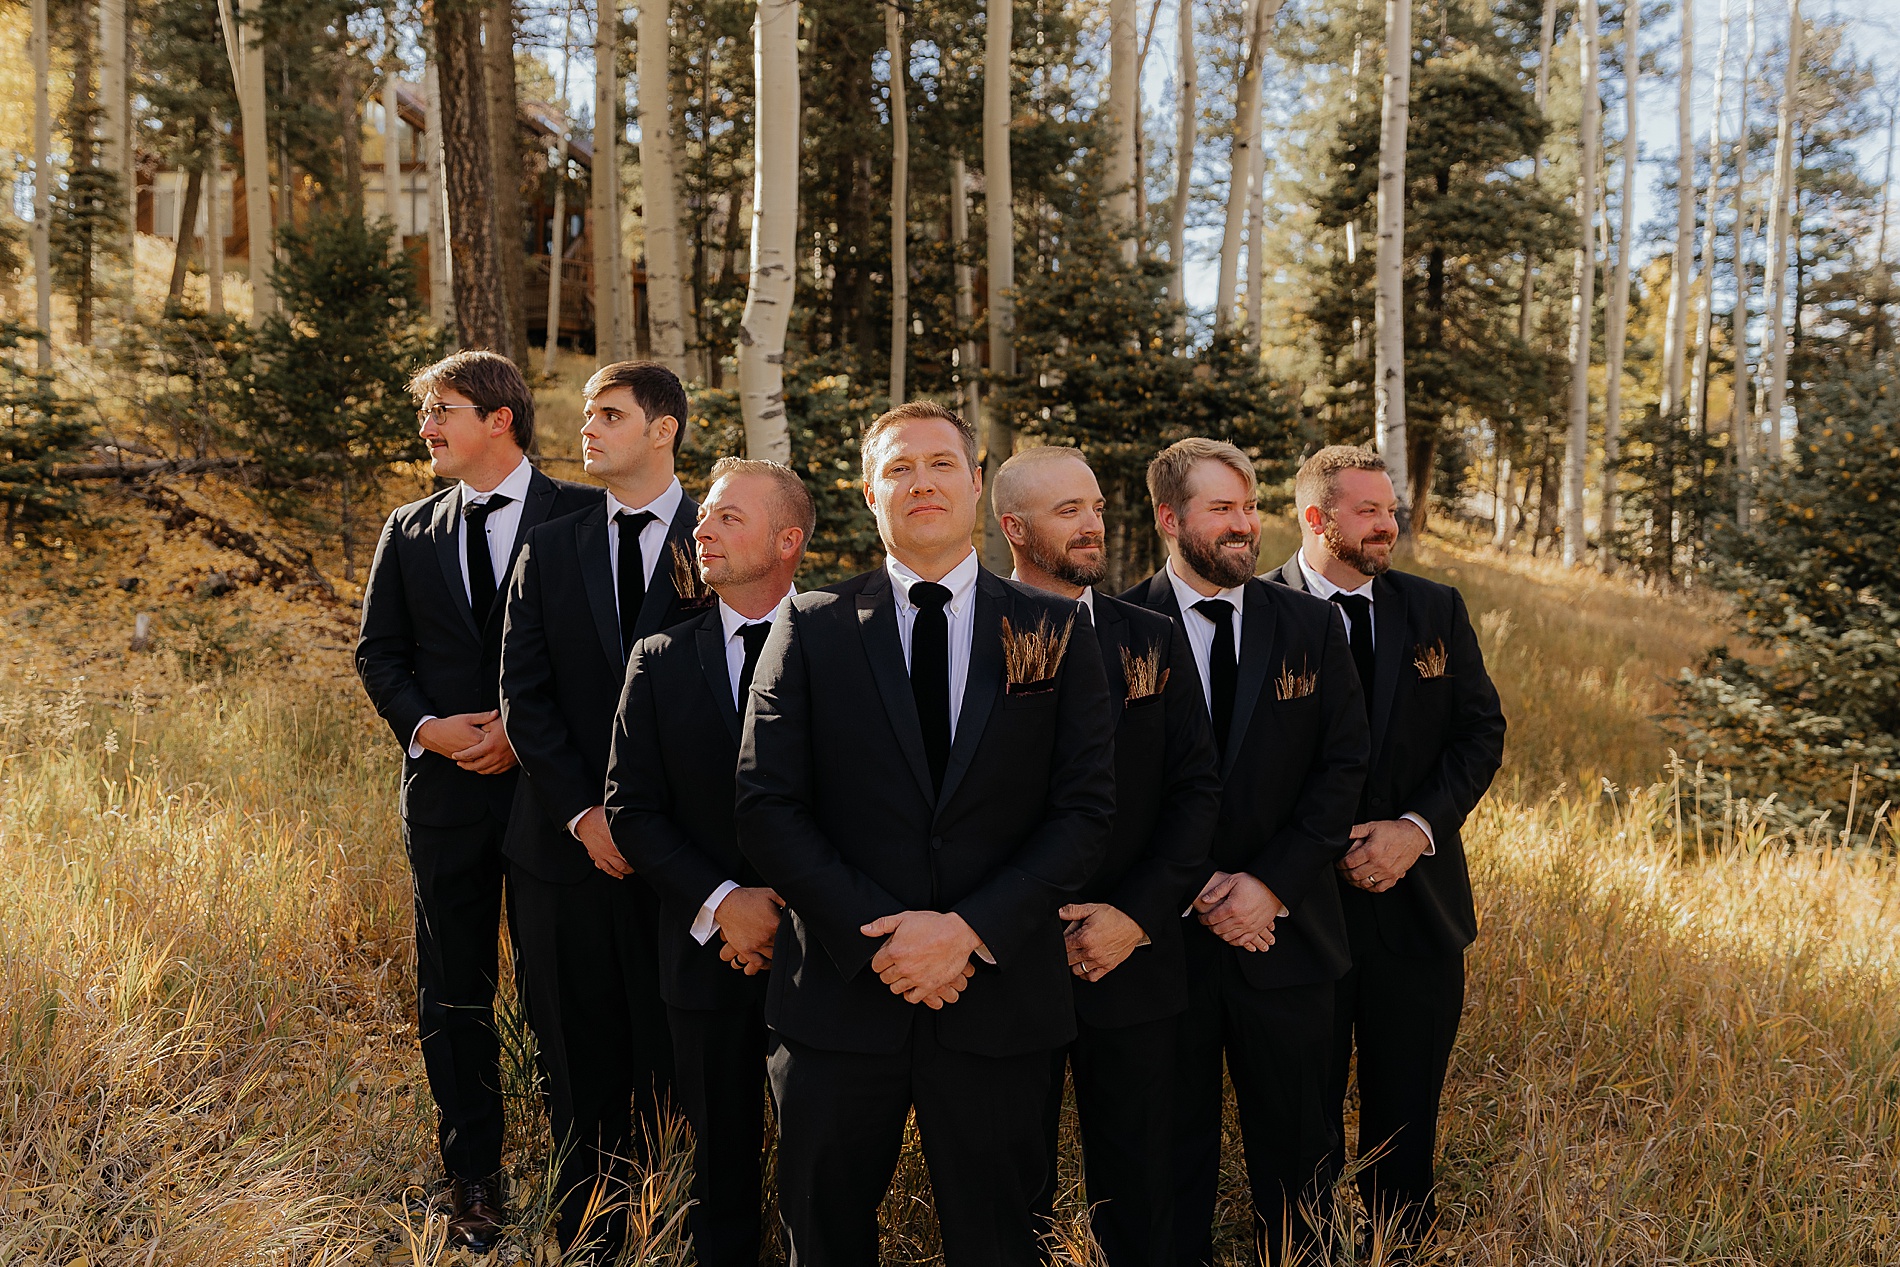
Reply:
x=476, y=1214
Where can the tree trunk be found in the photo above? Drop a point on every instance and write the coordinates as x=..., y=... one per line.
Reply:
x=351, y=119
x=1546, y=34
x=246, y=53
x=392, y=140
x=1616, y=321
x=1257, y=247
x=613, y=329
x=441, y=259
x=1388, y=392
x=969, y=394
x=1676, y=321
x=1775, y=280
x=115, y=149
x=1740, y=433
x=666, y=297
x=1583, y=291
x=773, y=284
x=1000, y=217
x=1186, y=82
x=187, y=229
x=1705, y=287
x=1140, y=166
x=1124, y=122
x=1240, y=169
x=214, y=221
x=42, y=184
x=81, y=157
x=469, y=166
x=557, y=244
x=498, y=52
x=900, y=198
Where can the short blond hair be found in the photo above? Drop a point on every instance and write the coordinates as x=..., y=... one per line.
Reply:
x=1007, y=489
x=1317, y=484
x=1171, y=468
x=792, y=505
x=913, y=411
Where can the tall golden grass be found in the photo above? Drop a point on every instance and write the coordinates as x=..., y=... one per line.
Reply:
x=1682, y=1042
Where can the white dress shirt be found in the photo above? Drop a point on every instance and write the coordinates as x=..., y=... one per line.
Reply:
x=1087, y=598
x=960, y=611
x=1200, y=630
x=652, y=536
x=1319, y=587
x=500, y=528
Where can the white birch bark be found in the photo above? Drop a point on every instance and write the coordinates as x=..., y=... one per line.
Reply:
x=1187, y=80
x=441, y=260
x=1676, y=320
x=969, y=394
x=1240, y=169
x=1775, y=283
x=900, y=199
x=247, y=69
x=41, y=40
x=1740, y=433
x=1388, y=390
x=612, y=339
x=1547, y=31
x=1616, y=321
x=557, y=247
x=115, y=149
x=1257, y=245
x=1705, y=284
x=392, y=139
x=1124, y=121
x=772, y=284
x=999, y=214
x=214, y=222
x=1583, y=291
x=659, y=165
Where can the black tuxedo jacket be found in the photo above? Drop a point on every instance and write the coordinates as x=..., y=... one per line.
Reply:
x=423, y=652
x=836, y=811
x=561, y=673
x=669, y=797
x=1437, y=741
x=1291, y=776
x=1167, y=798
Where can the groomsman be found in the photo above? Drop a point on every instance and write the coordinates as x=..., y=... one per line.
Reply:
x=1124, y=927
x=1437, y=740
x=1268, y=940
x=925, y=775
x=669, y=801
x=585, y=589
x=428, y=655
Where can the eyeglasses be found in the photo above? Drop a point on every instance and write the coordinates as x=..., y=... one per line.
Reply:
x=439, y=413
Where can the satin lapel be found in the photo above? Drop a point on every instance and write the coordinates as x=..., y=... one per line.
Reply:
x=712, y=662
x=877, y=624
x=984, y=680
x=597, y=577
x=1111, y=635
x=1389, y=638
x=660, y=586
x=1256, y=649
x=448, y=553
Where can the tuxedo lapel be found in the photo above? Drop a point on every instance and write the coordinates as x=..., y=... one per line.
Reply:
x=534, y=510
x=1161, y=596
x=1256, y=649
x=983, y=681
x=1389, y=639
x=662, y=594
x=597, y=577
x=1111, y=637
x=712, y=663
x=448, y=553
x=877, y=624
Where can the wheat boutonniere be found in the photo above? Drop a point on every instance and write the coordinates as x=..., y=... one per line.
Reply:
x=1032, y=656
x=693, y=592
x=1144, y=674
x=1290, y=685
x=1431, y=661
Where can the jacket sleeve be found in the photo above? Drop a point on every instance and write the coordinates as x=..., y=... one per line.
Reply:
x=386, y=644
x=1160, y=885
x=529, y=713
x=1316, y=834
x=1056, y=859
x=640, y=796
x=778, y=831
x=1472, y=755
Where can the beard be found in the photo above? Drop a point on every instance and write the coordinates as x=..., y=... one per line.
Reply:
x=1061, y=563
x=1359, y=557
x=728, y=572
x=1209, y=561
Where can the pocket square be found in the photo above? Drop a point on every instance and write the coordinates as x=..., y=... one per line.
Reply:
x=1290, y=685
x=1032, y=656
x=693, y=592
x=1145, y=677
x=1430, y=661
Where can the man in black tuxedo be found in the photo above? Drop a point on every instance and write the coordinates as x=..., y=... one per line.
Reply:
x=428, y=654
x=1269, y=940
x=669, y=800
x=926, y=776
x=585, y=589
x=1124, y=927
x=1437, y=740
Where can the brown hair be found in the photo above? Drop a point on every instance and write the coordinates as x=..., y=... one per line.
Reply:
x=656, y=389
x=489, y=380
x=1317, y=484
x=1169, y=471
x=912, y=412
x=791, y=507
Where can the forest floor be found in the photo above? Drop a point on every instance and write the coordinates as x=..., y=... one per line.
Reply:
x=1681, y=1040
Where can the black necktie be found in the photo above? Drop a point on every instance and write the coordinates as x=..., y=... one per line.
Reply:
x=754, y=637
x=1358, y=609
x=1223, y=667
x=631, y=583
x=481, y=566
x=930, y=674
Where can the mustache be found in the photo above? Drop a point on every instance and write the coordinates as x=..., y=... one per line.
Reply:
x=1236, y=538
x=1380, y=539
x=1086, y=541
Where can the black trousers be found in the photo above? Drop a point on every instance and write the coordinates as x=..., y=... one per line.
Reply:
x=841, y=1127
x=458, y=876
x=719, y=1061
x=1276, y=1045
x=1401, y=1012
x=1124, y=1100
x=590, y=954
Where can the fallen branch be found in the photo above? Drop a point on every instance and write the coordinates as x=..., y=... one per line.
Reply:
x=278, y=565
x=137, y=470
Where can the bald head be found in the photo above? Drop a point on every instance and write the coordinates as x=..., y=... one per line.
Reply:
x=1018, y=483
x=1050, y=508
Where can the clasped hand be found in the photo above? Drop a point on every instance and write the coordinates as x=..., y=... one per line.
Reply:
x=1099, y=938
x=474, y=741
x=1382, y=853
x=925, y=957
x=748, y=924
x=1239, y=909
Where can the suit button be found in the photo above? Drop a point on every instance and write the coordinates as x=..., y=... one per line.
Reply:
x=1376, y=802
x=936, y=842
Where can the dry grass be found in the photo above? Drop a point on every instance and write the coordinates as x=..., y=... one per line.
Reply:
x=1682, y=1043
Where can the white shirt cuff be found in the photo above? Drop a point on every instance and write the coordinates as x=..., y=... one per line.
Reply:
x=704, y=925
x=1431, y=846
x=574, y=824
x=416, y=749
